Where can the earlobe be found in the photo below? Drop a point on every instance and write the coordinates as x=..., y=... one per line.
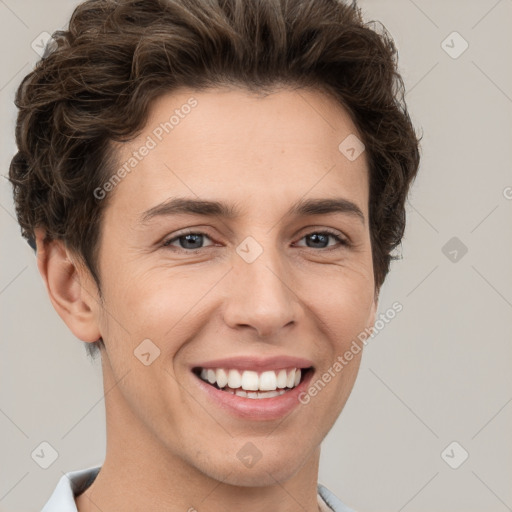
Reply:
x=74, y=300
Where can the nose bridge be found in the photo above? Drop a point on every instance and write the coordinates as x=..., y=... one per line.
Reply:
x=260, y=295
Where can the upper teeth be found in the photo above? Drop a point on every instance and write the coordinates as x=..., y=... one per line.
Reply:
x=251, y=380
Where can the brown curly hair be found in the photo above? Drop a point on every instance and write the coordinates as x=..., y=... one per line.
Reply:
x=96, y=81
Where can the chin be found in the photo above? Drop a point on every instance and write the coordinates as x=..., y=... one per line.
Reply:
x=266, y=471
x=262, y=476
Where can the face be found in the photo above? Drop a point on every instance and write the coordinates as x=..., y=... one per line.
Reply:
x=247, y=279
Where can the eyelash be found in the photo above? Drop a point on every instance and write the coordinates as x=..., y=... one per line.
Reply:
x=343, y=242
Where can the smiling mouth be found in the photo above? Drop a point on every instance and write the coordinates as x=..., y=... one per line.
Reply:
x=252, y=384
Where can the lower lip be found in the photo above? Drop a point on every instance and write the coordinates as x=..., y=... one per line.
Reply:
x=256, y=409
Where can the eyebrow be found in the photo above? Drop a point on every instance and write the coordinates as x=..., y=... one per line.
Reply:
x=304, y=207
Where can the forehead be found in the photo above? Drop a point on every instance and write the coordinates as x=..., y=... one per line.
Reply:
x=229, y=143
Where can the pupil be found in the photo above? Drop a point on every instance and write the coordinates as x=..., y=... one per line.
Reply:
x=188, y=237
x=317, y=236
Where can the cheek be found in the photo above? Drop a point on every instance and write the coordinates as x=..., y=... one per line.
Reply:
x=133, y=311
x=162, y=305
x=343, y=307
x=140, y=297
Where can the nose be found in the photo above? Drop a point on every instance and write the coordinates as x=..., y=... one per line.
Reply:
x=260, y=295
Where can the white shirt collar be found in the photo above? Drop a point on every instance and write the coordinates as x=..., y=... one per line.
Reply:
x=70, y=485
x=75, y=482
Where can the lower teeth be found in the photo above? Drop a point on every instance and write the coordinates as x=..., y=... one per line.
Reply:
x=255, y=394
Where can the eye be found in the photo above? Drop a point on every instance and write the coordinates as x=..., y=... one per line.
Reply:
x=191, y=240
x=321, y=238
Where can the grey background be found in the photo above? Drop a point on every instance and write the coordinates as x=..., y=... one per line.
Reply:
x=439, y=372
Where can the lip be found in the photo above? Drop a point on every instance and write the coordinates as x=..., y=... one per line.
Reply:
x=259, y=364
x=255, y=409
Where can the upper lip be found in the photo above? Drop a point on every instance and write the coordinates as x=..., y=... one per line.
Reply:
x=256, y=363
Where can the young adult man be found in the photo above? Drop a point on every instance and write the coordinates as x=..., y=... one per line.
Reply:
x=214, y=190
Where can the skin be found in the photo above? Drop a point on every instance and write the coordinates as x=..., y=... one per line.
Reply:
x=168, y=446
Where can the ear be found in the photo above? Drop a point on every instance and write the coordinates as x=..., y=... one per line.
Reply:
x=72, y=291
